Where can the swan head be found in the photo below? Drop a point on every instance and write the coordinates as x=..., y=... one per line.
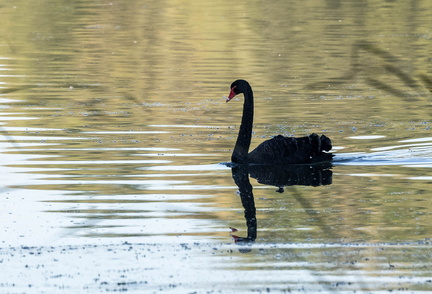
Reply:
x=237, y=87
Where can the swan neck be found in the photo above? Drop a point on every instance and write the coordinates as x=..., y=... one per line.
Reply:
x=243, y=142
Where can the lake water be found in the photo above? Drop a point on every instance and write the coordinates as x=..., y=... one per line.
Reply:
x=115, y=136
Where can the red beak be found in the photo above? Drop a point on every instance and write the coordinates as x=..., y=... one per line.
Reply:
x=231, y=94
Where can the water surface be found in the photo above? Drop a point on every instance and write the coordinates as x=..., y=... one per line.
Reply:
x=115, y=138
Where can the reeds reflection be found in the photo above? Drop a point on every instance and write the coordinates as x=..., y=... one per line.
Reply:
x=280, y=177
x=382, y=70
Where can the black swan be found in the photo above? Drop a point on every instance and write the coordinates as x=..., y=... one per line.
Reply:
x=278, y=150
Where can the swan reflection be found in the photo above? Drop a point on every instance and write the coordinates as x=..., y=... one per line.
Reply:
x=278, y=176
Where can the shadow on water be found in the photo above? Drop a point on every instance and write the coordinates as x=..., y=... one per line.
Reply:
x=280, y=177
x=369, y=60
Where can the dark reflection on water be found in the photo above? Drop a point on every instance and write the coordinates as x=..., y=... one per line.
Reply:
x=279, y=176
x=378, y=68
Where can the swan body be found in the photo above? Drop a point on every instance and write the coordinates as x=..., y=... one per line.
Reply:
x=278, y=150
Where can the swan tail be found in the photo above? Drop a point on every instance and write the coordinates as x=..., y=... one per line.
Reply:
x=319, y=144
x=326, y=143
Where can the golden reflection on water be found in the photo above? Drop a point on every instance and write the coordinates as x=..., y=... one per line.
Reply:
x=115, y=91
x=113, y=124
x=130, y=76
